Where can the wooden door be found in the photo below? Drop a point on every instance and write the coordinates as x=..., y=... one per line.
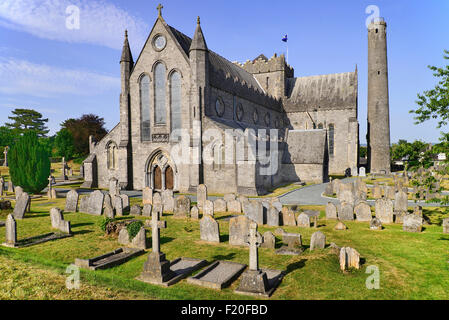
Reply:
x=157, y=178
x=169, y=178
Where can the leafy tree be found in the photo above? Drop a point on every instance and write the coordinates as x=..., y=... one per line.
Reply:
x=64, y=144
x=7, y=137
x=28, y=119
x=415, y=153
x=29, y=163
x=82, y=128
x=443, y=146
x=48, y=144
x=363, y=151
x=434, y=103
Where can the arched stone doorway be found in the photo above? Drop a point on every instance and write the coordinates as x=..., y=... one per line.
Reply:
x=160, y=172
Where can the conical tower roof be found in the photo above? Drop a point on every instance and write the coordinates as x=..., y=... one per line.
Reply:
x=198, y=42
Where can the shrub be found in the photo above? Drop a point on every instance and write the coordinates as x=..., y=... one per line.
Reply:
x=29, y=163
x=104, y=223
x=133, y=229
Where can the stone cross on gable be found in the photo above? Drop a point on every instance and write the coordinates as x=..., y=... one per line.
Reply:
x=159, y=8
x=155, y=235
x=254, y=241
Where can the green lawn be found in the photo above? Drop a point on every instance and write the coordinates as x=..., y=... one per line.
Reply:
x=412, y=266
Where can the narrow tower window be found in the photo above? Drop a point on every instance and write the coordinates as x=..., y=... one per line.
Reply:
x=331, y=139
x=145, y=106
x=159, y=94
x=175, y=99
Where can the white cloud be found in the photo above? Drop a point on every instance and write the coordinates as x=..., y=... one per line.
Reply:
x=21, y=77
x=101, y=23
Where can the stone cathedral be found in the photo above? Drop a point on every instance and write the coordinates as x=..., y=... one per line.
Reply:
x=177, y=81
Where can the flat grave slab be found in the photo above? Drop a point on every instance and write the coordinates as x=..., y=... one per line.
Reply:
x=181, y=268
x=218, y=275
x=27, y=242
x=274, y=278
x=110, y=259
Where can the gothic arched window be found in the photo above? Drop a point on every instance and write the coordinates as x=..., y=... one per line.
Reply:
x=145, y=106
x=331, y=139
x=175, y=100
x=112, y=155
x=160, y=112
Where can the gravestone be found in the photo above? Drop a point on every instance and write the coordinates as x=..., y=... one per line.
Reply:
x=255, y=281
x=107, y=201
x=303, y=220
x=329, y=190
x=349, y=258
x=10, y=186
x=219, y=206
x=147, y=196
x=18, y=192
x=294, y=244
x=208, y=208
x=110, y=259
x=277, y=205
x=446, y=225
x=71, y=202
x=139, y=241
x=313, y=216
x=375, y=224
x=51, y=192
x=58, y=222
x=108, y=210
x=157, y=202
x=147, y=209
x=384, y=210
x=331, y=211
x=400, y=203
x=168, y=201
x=234, y=206
x=273, y=216
x=113, y=187
x=125, y=202
x=317, y=241
x=135, y=210
x=21, y=206
x=336, y=186
x=340, y=226
x=238, y=229
x=182, y=207
x=242, y=199
x=118, y=205
x=389, y=192
x=269, y=240
x=209, y=229
x=288, y=217
x=412, y=223
x=195, y=213
x=218, y=275
x=363, y=212
x=84, y=204
x=11, y=231
x=229, y=197
x=377, y=191
x=254, y=211
x=201, y=195
x=346, y=212
x=95, y=205
x=347, y=193
x=362, y=172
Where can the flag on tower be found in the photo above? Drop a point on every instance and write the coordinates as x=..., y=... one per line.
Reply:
x=285, y=38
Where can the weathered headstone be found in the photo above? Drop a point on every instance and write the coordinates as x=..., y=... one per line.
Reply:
x=340, y=226
x=347, y=193
x=288, y=217
x=363, y=212
x=113, y=187
x=412, y=223
x=208, y=208
x=209, y=229
x=118, y=205
x=21, y=205
x=362, y=172
x=303, y=220
x=125, y=202
x=277, y=205
x=147, y=209
x=58, y=222
x=384, y=210
x=446, y=225
x=195, y=213
x=135, y=210
x=294, y=244
x=167, y=200
x=234, y=206
x=147, y=196
x=11, y=230
x=95, y=205
x=331, y=211
x=400, y=203
x=377, y=191
x=157, y=202
x=238, y=229
x=375, y=224
x=349, y=258
x=219, y=206
x=18, y=192
x=254, y=211
x=273, y=216
x=317, y=241
x=182, y=207
x=346, y=212
x=84, y=204
x=229, y=197
x=10, y=186
x=201, y=195
x=269, y=240
x=71, y=201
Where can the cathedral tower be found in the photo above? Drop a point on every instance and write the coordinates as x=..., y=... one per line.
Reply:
x=378, y=136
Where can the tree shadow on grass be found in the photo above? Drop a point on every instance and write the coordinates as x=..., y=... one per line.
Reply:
x=444, y=239
x=229, y=256
x=295, y=265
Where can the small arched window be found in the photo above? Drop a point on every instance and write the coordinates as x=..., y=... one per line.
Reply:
x=320, y=126
x=145, y=106
x=112, y=156
x=159, y=94
x=175, y=100
x=331, y=139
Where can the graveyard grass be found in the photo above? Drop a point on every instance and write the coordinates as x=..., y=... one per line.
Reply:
x=412, y=266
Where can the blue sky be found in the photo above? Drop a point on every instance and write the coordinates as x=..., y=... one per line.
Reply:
x=65, y=73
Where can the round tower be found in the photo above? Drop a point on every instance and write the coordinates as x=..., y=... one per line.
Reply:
x=378, y=136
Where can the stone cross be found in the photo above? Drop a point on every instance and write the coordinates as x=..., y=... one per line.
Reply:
x=5, y=152
x=155, y=235
x=159, y=8
x=50, y=183
x=254, y=241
